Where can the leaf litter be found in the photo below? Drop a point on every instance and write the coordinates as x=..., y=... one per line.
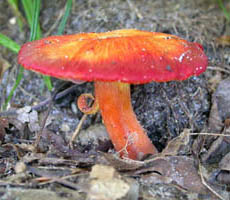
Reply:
x=193, y=165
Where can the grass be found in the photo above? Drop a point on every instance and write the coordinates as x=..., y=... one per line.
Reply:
x=32, y=11
x=224, y=9
x=8, y=43
x=65, y=17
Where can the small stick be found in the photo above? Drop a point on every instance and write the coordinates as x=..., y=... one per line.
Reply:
x=52, y=98
x=42, y=103
x=77, y=130
x=87, y=109
x=211, y=134
x=206, y=185
x=43, y=125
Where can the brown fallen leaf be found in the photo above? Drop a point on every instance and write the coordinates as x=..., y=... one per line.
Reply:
x=224, y=175
x=173, y=148
x=4, y=65
x=178, y=144
x=20, y=149
x=122, y=164
x=225, y=163
x=4, y=123
x=175, y=170
x=223, y=40
x=221, y=98
x=218, y=123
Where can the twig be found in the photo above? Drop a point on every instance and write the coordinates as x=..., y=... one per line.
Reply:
x=43, y=103
x=46, y=116
x=28, y=93
x=92, y=105
x=77, y=130
x=55, y=23
x=206, y=185
x=43, y=123
x=211, y=134
x=58, y=96
x=216, y=68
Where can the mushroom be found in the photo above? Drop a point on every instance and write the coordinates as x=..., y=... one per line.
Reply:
x=114, y=60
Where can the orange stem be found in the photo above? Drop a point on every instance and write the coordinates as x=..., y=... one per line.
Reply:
x=127, y=135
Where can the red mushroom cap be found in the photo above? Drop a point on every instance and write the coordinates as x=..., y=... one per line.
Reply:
x=128, y=55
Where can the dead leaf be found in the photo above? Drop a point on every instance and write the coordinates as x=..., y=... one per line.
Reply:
x=215, y=123
x=4, y=65
x=177, y=145
x=176, y=170
x=4, y=123
x=221, y=98
x=27, y=115
x=223, y=176
x=225, y=162
x=107, y=184
x=223, y=40
x=20, y=167
x=215, y=151
x=218, y=123
x=20, y=149
x=122, y=164
x=93, y=135
x=36, y=194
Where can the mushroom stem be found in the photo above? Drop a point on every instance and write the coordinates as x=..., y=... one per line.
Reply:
x=127, y=135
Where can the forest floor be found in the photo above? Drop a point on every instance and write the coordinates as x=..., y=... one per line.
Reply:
x=187, y=121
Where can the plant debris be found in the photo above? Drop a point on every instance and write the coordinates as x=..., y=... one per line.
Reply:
x=188, y=122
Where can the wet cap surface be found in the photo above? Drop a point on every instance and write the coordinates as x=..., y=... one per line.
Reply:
x=127, y=55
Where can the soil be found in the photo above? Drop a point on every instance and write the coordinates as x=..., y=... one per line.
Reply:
x=167, y=111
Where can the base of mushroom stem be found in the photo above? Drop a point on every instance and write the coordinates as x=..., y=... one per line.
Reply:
x=126, y=133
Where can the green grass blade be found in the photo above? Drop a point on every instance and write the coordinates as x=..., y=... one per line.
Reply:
x=34, y=30
x=8, y=43
x=13, y=46
x=18, y=80
x=32, y=15
x=35, y=19
x=48, y=82
x=60, y=31
x=30, y=11
x=65, y=17
x=33, y=36
x=225, y=11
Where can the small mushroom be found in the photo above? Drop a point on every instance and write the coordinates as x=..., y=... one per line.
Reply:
x=114, y=60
